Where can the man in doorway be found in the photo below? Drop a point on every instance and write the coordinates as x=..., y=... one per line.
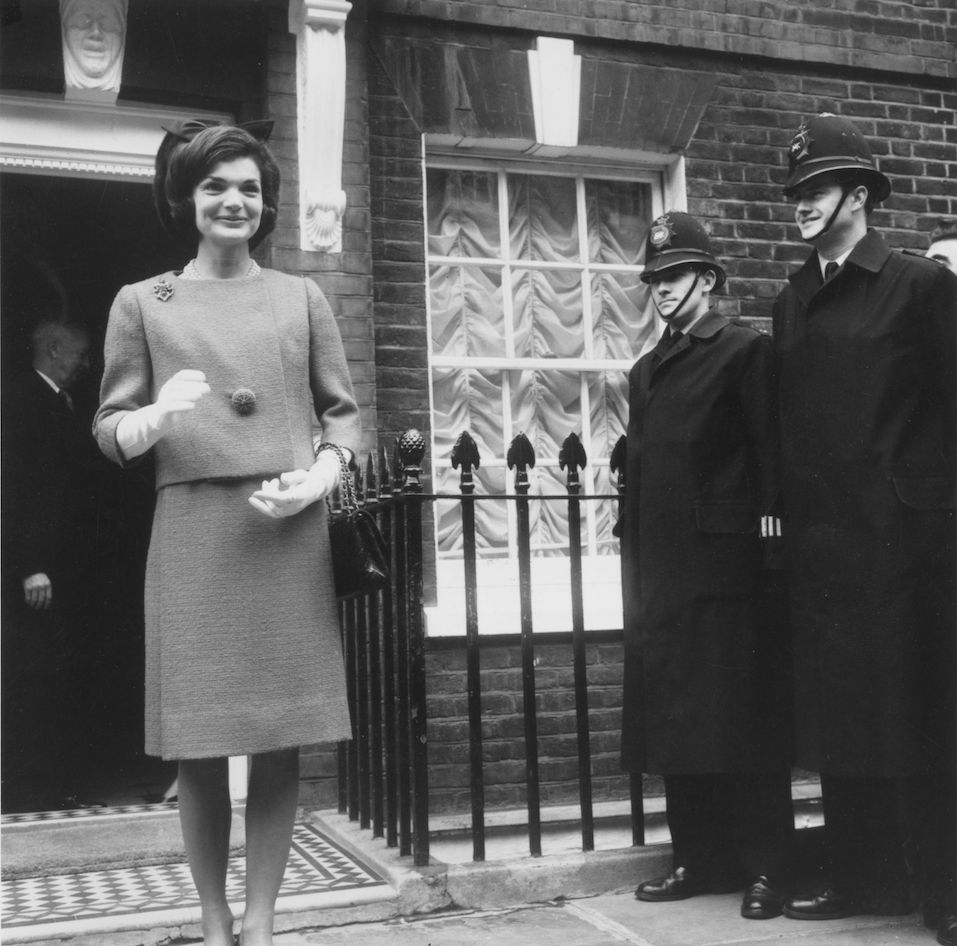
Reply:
x=866, y=340
x=49, y=535
x=704, y=666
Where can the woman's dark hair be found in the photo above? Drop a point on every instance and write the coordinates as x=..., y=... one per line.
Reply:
x=182, y=163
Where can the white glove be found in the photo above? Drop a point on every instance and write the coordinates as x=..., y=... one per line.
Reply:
x=140, y=429
x=38, y=591
x=292, y=492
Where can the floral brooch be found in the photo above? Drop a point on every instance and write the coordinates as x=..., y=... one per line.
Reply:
x=163, y=290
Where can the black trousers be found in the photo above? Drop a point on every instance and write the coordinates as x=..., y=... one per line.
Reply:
x=732, y=827
x=45, y=703
x=885, y=837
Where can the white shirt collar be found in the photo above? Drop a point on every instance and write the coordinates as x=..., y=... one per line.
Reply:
x=821, y=262
x=50, y=381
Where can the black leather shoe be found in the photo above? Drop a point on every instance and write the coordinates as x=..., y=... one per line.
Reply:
x=678, y=885
x=761, y=901
x=947, y=930
x=827, y=905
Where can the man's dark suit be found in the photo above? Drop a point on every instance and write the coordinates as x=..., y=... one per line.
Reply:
x=49, y=517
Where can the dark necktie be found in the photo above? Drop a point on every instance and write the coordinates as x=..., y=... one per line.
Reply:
x=829, y=270
x=65, y=399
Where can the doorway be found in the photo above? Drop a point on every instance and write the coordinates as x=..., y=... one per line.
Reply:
x=66, y=247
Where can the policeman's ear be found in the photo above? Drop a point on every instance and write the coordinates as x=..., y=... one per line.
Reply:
x=859, y=198
x=709, y=279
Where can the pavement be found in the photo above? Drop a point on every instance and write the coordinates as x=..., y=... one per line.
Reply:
x=565, y=898
x=613, y=919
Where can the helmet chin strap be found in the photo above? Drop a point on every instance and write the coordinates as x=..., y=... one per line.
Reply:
x=680, y=306
x=845, y=190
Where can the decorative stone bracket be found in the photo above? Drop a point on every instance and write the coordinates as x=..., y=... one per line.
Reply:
x=319, y=27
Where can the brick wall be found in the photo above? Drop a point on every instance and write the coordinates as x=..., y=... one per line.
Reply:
x=503, y=727
x=889, y=65
x=736, y=159
x=914, y=38
x=398, y=241
x=736, y=165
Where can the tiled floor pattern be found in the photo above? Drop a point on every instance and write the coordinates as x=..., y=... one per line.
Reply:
x=316, y=866
x=84, y=813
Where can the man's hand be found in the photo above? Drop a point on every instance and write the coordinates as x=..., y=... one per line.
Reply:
x=770, y=527
x=38, y=592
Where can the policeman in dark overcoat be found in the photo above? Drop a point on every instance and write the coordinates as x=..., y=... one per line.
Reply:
x=866, y=340
x=701, y=660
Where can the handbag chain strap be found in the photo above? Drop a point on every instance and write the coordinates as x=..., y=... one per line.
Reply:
x=347, y=486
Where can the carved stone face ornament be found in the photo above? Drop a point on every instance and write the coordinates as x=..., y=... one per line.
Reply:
x=94, y=35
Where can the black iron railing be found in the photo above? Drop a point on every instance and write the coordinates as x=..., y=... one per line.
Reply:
x=383, y=771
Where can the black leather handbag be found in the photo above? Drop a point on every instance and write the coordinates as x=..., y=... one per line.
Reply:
x=360, y=559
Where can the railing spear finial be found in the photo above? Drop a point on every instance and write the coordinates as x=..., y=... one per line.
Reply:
x=572, y=458
x=521, y=456
x=465, y=455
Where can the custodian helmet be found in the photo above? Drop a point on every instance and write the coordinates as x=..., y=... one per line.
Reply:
x=828, y=144
x=677, y=239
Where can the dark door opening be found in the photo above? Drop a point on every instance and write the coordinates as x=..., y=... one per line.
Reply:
x=66, y=247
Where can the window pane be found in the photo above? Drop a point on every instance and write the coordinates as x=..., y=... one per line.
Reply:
x=606, y=515
x=622, y=315
x=619, y=214
x=608, y=397
x=465, y=304
x=548, y=518
x=542, y=218
x=546, y=407
x=462, y=213
x=491, y=517
x=547, y=314
x=467, y=399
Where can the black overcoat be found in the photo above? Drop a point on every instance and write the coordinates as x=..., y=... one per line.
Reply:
x=868, y=422
x=701, y=470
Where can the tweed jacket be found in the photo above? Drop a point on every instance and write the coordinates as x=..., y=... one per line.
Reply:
x=267, y=337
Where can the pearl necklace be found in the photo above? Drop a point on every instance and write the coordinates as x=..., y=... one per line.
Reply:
x=191, y=272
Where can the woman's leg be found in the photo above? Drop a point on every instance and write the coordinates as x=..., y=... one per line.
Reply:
x=204, y=813
x=270, y=816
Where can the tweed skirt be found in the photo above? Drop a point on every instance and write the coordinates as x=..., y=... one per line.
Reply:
x=243, y=651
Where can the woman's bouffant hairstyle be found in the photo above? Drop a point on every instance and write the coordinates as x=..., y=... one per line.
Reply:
x=188, y=153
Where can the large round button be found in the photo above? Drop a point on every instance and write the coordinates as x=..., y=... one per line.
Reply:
x=243, y=401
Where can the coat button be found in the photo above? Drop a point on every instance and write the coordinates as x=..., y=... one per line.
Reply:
x=243, y=401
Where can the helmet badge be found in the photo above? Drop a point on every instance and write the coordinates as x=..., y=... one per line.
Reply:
x=800, y=143
x=661, y=232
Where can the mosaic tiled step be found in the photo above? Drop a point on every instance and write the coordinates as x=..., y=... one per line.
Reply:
x=158, y=895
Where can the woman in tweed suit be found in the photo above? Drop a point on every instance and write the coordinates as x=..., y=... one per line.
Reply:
x=221, y=371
